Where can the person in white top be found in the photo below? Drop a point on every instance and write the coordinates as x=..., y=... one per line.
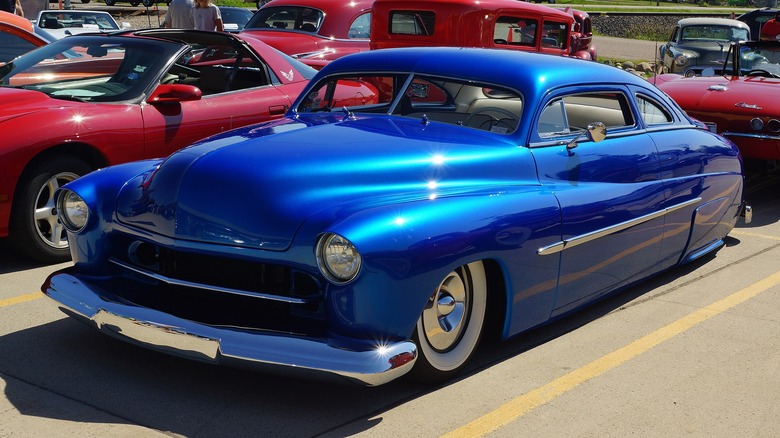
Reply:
x=206, y=16
x=179, y=15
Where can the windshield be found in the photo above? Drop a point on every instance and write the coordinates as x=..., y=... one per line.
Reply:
x=99, y=69
x=713, y=33
x=427, y=98
x=763, y=56
x=70, y=19
x=287, y=18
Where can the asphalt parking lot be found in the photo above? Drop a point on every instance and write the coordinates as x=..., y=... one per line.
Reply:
x=692, y=352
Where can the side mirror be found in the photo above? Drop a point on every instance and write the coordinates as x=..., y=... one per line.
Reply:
x=596, y=132
x=174, y=93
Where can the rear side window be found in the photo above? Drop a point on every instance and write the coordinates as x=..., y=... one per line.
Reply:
x=652, y=113
x=412, y=23
x=361, y=27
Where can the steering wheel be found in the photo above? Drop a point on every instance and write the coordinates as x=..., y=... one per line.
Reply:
x=763, y=73
x=494, y=121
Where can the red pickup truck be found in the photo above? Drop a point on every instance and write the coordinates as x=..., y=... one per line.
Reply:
x=502, y=24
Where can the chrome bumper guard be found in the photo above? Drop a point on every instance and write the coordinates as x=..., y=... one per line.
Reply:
x=180, y=337
x=746, y=212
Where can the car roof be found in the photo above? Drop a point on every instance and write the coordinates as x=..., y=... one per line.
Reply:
x=700, y=21
x=471, y=5
x=530, y=73
x=325, y=5
x=7, y=17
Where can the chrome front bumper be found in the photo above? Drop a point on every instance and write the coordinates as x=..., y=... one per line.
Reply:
x=181, y=337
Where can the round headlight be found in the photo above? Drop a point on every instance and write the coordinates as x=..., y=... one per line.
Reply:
x=338, y=258
x=72, y=211
x=681, y=60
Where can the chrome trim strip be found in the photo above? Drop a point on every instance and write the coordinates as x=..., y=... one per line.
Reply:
x=593, y=235
x=265, y=351
x=175, y=282
x=758, y=136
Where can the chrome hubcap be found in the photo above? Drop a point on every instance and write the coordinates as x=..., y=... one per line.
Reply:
x=444, y=318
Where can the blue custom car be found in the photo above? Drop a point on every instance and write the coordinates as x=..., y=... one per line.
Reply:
x=467, y=188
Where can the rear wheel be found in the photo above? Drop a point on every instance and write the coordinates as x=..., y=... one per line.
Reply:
x=451, y=324
x=34, y=229
x=148, y=3
x=110, y=2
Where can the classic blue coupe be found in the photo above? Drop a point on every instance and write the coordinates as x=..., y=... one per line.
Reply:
x=460, y=189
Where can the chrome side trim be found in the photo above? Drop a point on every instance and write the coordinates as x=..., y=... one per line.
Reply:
x=747, y=135
x=593, y=235
x=266, y=351
x=227, y=290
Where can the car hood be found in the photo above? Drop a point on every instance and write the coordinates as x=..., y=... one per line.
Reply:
x=721, y=94
x=16, y=103
x=255, y=187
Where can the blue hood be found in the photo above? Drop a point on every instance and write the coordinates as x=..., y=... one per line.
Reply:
x=255, y=186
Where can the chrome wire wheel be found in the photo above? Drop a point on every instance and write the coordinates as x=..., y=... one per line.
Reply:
x=47, y=225
x=450, y=325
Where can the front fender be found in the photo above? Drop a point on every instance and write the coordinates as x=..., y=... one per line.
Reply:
x=99, y=190
x=408, y=249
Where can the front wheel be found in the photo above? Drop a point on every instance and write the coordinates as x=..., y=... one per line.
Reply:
x=34, y=228
x=451, y=324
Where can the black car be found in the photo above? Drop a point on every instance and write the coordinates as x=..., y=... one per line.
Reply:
x=756, y=18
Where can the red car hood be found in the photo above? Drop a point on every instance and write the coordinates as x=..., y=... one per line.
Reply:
x=15, y=103
x=719, y=93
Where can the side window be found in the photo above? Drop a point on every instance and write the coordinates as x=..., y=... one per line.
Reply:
x=361, y=27
x=652, y=113
x=573, y=113
x=412, y=23
x=554, y=34
x=515, y=31
x=12, y=46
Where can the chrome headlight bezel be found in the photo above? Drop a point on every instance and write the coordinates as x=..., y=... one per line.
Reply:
x=338, y=259
x=681, y=59
x=72, y=211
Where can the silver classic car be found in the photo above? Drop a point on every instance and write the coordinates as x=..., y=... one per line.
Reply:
x=701, y=42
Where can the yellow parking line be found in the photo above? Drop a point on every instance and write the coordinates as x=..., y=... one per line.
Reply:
x=20, y=299
x=748, y=233
x=522, y=404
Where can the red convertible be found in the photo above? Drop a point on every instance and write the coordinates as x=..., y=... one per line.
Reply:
x=738, y=100
x=89, y=101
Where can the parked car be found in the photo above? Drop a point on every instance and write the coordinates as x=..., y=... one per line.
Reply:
x=701, y=42
x=62, y=23
x=741, y=105
x=582, y=36
x=499, y=24
x=234, y=19
x=107, y=99
x=17, y=36
x=321, y=30
x=472, y=188
x=755, y=19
